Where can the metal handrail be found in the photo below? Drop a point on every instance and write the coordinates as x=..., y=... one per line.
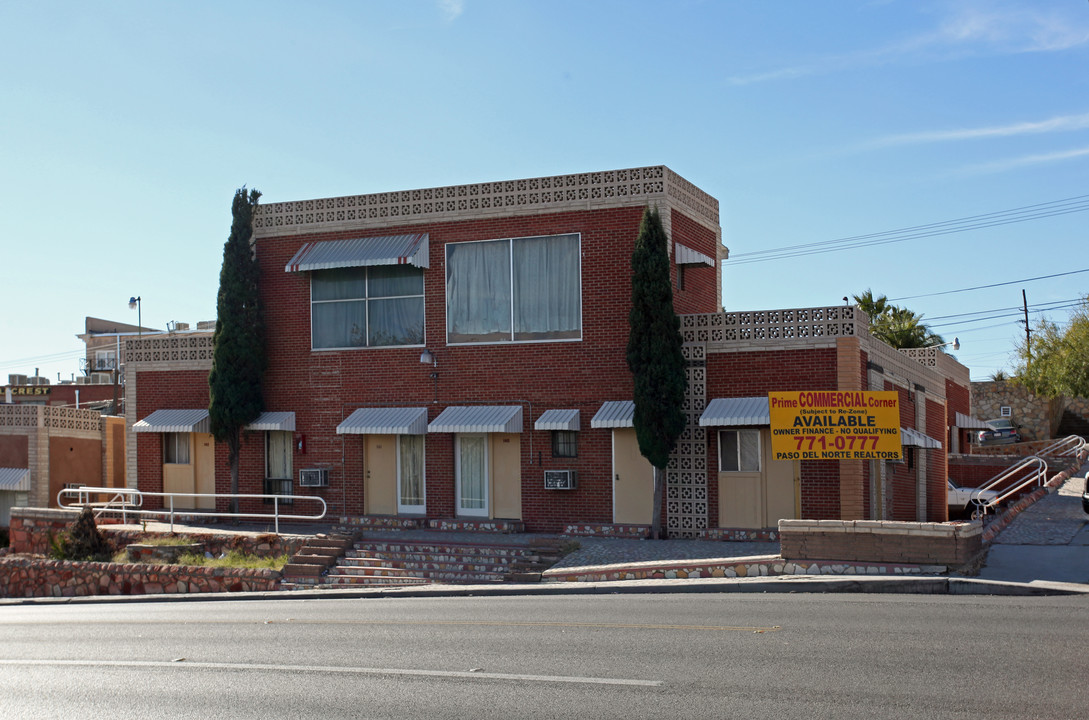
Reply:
x=1064, y=447
x=1035, y=466
x=127, y=501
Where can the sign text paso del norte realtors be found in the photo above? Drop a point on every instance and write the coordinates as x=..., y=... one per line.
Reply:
x=835, y=425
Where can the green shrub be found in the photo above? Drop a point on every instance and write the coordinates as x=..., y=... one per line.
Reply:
x=82, y=541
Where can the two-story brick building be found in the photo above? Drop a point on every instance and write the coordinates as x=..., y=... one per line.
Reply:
x=459, y=353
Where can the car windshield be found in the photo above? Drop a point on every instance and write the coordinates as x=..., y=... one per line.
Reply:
x=1001, y=424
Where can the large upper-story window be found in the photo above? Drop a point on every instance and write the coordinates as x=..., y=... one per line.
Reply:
x=514, y=290
x=374, y=306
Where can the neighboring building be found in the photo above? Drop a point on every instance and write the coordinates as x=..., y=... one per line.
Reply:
x=46, y=449
x=459, y=352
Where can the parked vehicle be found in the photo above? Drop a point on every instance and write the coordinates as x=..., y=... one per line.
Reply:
x=1002, y=431
x=1085, y=495
x=960, y=498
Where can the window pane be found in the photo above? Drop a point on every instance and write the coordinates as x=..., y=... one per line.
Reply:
x=750, y=450
x=727, y=451
x=339, y=324
x=564, y=443
x=278, y=463
x=478, y=293
x=340, y=284
x=412, y=473
x=472, y=473
x=397, y=322
x=395, y=280
x=176, y=448
x=546, y=288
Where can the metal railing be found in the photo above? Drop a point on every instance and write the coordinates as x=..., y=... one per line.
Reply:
x=1030, y=471
x=125, y=501
x=1068, y=446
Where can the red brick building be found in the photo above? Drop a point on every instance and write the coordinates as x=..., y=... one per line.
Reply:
x=458, y=353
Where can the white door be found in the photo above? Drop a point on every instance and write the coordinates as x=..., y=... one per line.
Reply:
x=472, y=475
x=410, y=475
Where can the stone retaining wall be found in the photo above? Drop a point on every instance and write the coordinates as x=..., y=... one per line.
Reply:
x=34, y=577
x=949, y=544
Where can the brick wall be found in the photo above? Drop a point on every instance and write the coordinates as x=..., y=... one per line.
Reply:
x=950, y=544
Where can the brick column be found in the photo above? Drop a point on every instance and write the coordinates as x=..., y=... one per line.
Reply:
x=851, y=475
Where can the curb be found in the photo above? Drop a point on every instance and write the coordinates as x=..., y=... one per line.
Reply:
x=763, y=585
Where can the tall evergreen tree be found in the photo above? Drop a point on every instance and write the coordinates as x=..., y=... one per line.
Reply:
x=654, y=354
x=239, y=360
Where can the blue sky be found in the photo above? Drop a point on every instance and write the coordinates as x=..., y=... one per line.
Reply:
x=126, y=127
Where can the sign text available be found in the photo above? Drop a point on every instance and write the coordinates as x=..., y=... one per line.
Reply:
x=835, y=425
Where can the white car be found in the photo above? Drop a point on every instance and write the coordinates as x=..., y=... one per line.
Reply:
x=961, y=498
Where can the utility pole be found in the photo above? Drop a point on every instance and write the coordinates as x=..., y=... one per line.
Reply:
x=1028, y=330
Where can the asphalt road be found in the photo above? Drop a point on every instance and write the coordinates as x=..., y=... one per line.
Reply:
x=617, y=656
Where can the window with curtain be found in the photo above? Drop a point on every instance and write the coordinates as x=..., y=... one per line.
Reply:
x=472, y=472
x=565, y=444
x=739, y=451
x=514, y=290
x=176, y=448
x=411, y=471
x=367, y=307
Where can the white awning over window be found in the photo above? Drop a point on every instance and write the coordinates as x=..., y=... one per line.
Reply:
x=558, y=420
x=914, y=438
x=385, y=421
x=358, y=252
x=162, y=421
x=615, y=414
x=736, y=412
x=15, y=479
x=273, y=421
x=478, y=419
x=684, y=255
x=971, y=423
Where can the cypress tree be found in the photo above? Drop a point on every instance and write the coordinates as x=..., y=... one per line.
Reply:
x=654, y=354
x=239, y=360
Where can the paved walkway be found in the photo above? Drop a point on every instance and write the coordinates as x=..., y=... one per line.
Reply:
x=1047, y=542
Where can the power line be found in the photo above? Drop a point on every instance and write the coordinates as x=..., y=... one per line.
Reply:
x=993, y=285
x=1054, y=208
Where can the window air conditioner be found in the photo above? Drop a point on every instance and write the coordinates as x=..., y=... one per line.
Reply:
x=560, y=479
x=314, y=477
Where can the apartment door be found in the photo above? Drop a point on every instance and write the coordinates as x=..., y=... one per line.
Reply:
x=380, y=475
x=633, y=480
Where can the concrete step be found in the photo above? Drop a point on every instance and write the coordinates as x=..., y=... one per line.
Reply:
x=372, y=581
x=443, y=548
x=427, y=564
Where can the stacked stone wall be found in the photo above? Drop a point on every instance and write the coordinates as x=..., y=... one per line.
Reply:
x=22, y=577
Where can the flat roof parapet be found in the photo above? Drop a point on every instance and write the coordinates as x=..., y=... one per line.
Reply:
x=558, y=193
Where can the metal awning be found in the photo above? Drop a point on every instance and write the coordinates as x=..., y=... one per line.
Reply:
x=478, y=418
x=162, y=421
x=971, y=423
x=273, y=421
x=736, y=412
x=558, y=420
x=615, y=414
x=914, y=438
x=684, y=255
x=385, y=421
x=15, y=479
x=358, y=252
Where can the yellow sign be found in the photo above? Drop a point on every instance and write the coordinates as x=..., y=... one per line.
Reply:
x=835, y=425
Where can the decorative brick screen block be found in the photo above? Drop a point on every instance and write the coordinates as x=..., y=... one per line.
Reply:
x=951, y=544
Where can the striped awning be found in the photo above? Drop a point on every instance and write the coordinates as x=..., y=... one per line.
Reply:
x=971, y=423
x=162, y=421
x=15, y=479
x=914, y=438
x=615, y=414
x=273, y=421
x=385, y=421
x=558, y=420
x=358, y=252
x=684, y=255
x=736, y=412
x=478, y=419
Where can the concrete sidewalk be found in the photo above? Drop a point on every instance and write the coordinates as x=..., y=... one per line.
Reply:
x=1048, y=542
